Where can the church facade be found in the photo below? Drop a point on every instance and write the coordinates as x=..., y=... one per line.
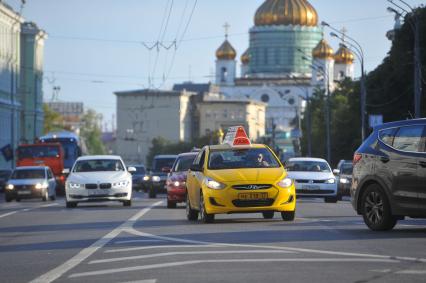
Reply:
x=287, y=59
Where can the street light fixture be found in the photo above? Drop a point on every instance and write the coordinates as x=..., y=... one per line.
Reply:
x=358, y=50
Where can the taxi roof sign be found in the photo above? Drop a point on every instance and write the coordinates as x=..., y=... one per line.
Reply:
x=237, y=136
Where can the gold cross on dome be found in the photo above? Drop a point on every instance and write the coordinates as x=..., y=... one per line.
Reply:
x=226, y=26
x=343, y=31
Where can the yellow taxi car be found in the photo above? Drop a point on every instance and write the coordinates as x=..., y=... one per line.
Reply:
x=238, y=177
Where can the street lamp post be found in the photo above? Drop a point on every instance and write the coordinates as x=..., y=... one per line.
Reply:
x=360, y=52
x=415, y=26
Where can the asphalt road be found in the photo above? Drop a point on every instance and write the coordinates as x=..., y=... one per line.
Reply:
x=45, y=242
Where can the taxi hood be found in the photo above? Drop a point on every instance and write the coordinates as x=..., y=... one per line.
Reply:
x=259, y=175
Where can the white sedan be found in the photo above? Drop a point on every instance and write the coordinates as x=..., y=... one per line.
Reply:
x=313, y=178
x=99, y=178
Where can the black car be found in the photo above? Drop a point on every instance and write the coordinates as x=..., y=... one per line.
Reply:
x=161, y=167
x=4, y=177
x=139, y=178
x=344, y=178
x=389, y=174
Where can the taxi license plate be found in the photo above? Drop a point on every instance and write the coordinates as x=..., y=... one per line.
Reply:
x=253, y=196
x=24, y=192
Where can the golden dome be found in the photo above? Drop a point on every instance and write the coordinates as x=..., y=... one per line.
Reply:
x=286, y=12
x=323, y=51
x=245, y=58
x=344, y=56
x=226, y=51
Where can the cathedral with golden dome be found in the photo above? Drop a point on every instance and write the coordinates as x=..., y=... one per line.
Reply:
x=285, y=42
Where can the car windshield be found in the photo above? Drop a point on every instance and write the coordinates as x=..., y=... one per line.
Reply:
x=38, y=152
x=28, y=174
x=140, y=170
x=308, y=166
x=347, y=169
x=242, y=158
x=183, y=163
x=160, y=163
x=101, y=165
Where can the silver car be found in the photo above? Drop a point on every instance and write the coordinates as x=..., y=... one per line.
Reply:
x=31, y=182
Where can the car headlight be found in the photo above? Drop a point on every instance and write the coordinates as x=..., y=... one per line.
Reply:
x=146, y=178
x=285, y=183
x=214, y=185
x=40, y=186
x=10, y=187
x=330, y=181
x=121, y=184
x=344, y=180
x=75, y=185
x=156, y=179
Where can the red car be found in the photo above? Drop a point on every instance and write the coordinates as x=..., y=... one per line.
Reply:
x=176, y=180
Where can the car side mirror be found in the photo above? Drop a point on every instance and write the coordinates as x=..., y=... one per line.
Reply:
x=336, y=171
x=66, y=171
x=131, y=169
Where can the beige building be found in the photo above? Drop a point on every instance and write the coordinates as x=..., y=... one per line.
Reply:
x=222, y=114
x=143, y=115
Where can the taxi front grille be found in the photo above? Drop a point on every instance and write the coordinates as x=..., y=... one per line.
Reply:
x=253, y=203
x=251, y=187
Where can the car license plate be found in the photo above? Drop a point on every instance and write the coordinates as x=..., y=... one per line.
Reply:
x=310, y=187
x=24, y=192
x=253, y=196
x=95, y=192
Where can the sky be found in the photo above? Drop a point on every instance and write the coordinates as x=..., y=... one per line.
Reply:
x=98, y=47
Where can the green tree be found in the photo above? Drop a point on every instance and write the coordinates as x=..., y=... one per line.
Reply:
x=53, y=121
x=91, y=132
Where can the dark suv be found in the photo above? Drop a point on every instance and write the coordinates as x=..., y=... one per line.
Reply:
x=161, y=167
x=389, y=174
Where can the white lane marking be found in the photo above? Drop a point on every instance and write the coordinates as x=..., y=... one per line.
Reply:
x=381, y=270
x=160, y=247
x=301, y=250
x=49, y=205
x=8, y=214
x=192, y=262
x=136, y=241
x=143, y=281
x=108, y=260
x=85, y=253
x=412, y=272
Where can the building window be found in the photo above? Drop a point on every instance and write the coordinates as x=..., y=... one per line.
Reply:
x=223, y=74
x=265, y=98
x=225, y=113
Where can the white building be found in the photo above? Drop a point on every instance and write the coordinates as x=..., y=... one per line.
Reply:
x=143, y=115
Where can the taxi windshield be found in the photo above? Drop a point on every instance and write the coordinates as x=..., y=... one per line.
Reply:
x=242, y=158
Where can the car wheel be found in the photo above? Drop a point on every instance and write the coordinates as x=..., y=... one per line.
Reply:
x=268, y=214
x=205, y=217
x=71, y=204
x=376, y=209
x=8, y=198
x=52, y=198
x=171, y=204
x=18, y=199
x=288, y=215
x=127, y=203
x=152, y=193
x=331, y=199
x=191, y=214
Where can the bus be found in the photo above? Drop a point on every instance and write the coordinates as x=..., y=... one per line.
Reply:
x=71, y=145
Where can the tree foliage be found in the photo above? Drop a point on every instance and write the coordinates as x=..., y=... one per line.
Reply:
x=91, y=132
x=53, y=121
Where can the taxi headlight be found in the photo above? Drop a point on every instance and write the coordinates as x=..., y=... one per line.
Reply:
x=330, y=181
x=214, y=185
x=74, y=185
x=10, y=187
x=146, y=178
x=40, y=186
x=121, y=184
x=285, y=183
x=344, y=181
x=156, y=179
